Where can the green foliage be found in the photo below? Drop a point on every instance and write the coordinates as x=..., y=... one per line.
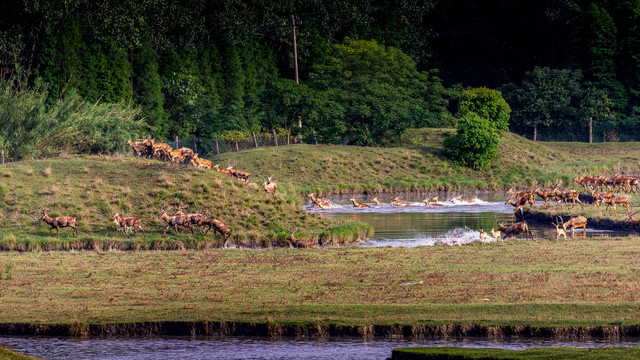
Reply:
x=597, y=105
x=488, y=104
x=147, y=89
x=32, y=128
x=475, y=143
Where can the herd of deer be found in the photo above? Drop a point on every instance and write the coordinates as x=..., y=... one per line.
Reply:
x=161, y=151
x=324, y=204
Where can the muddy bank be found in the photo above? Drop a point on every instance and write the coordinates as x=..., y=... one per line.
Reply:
x=173, y=328
x=601, y=224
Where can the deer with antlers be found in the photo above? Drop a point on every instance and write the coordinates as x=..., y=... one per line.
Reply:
x=217, y=226
x=300, y=244
x=599, y=197
x=519, y=205
x=569, y=195
x=632, y=220
x=240, y=174
x=222, y=171
x=560, y=229
x=194, y=218
x=323, y=204
x=60, y=222
x=546, y=195
x=174, y=221
x=269, y=186
x=125, y=223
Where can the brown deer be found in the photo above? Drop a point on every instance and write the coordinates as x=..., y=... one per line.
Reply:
x=560, y=230
x=574, y=222
x=199, y=162
x=614, y=201
x=515, y=229
x=174, y=221
x=300, y=244
x=519, y=205
x=269, y=186
x=358, y=205
x=160, y=150
x=60, y=222
x=175, y=156
x=378, y=202
x=186, y=152
x=496, y=234
x=396, y=202
x=519, y=194
x=632, y=220
x=599, y=197
x=427, y=203
x=240, y=174
x=216, y=225
x=128, y=222
x=568, y=195
x=139, y=148
x=323, y=204
x=546, y=194
x=484, y=237
x=223, y=171
x=459, y=198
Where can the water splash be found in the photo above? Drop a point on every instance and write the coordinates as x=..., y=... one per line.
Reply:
x=454, y=237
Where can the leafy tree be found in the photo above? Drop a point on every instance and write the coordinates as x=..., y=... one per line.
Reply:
x=285, y=101
x=475, y=143
x=147, y=88
x=488, y=104
x=596, y=104
x=235, y=136
x=628, y=14
x=547, y=95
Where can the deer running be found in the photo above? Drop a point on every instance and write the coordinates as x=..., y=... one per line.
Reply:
x=358, y=205
x=128, y=222
x=174, y=221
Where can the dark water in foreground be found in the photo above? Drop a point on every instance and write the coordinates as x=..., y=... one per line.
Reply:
x=261, y=348
x=455, y=223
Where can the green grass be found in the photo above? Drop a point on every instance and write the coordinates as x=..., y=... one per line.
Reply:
x=542, y=283
x=93, y=188
x=420, y=165
x=444, y=353
x=7, y=354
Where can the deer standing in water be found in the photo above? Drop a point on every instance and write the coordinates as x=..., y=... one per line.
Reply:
x=574, y=222
x=560, y=230
x=60, y=222
x=323, y=204
x=515, y=229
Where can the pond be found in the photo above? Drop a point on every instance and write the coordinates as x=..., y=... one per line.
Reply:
x=263, y=348
x=454, y=223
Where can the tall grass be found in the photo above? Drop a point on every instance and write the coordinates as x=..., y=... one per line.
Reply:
x=32, y=128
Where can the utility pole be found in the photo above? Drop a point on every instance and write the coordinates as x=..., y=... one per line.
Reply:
x=295, y=60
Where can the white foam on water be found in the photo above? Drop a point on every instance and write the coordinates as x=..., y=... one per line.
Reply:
x=453, y=237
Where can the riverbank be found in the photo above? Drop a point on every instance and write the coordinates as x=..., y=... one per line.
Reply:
x=596, y=218
x=8, y=354
x=418, y=165
x=451, y=353
x=589, y=285
x=93, y=188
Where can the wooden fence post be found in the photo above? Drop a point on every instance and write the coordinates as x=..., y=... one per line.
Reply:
x=275, y=137
x=176, y=142
x=2, y=157
x=255, y=141
x=217, y=148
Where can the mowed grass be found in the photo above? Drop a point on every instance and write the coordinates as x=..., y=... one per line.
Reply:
x=419, y=164
x=94, y=188
x=537, y=283
x=445, y=353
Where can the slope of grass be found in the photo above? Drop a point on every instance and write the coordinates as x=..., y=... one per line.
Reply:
x=419, y=164
x=518, y=283
x=94, y=188
x=450, y=353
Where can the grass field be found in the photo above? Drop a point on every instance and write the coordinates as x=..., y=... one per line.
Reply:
x=446, y=353
x=541, y=283
x=94, y=188
x=418, y=164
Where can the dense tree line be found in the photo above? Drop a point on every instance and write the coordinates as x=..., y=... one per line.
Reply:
x=368, y=69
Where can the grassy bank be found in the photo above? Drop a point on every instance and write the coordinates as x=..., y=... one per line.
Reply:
x=94, y=188
x=7, y=354
x=417, y=164
x=450, y=353
x=519, y=283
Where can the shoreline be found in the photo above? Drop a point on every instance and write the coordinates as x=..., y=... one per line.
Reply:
x=221, y=329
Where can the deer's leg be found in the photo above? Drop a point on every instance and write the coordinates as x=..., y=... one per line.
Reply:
x=141, y=229
x=165, y=230
x=58, y=231
x=175, y=226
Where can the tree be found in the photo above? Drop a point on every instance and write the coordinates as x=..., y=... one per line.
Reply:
x=596, y=104
x=475, y=143
x=488, y=104
x=284, y=101
x=147, y=88
x=547, y=95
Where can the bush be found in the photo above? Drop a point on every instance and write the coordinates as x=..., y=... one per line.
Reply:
x=475, y=143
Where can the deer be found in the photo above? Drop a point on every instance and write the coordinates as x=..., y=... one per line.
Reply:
x=128, y=222
x=139, y=148
x=496, y=234
x=519, y=205
x=378, y=202
x=223, y=171
x=459, y=198
x=186, y=152
x=175, y=156
x=572, y=195
x=159, y=150
x=60, y=222
x=358, y=205
x=269, y=186
x=199, y=162
x=560, y=230
x=300, y=244
x=483, y=236
x=194, y=218
x=574, y=222
x=546, y=194
x=515, y=229
x=632, y=220
x=396, y=202
x=323, y=204
x=519, y=194
x=174, y=221
x=599, y=197
x=240, y=174
x=427, y=203
x=217, y=226
x=614, y=201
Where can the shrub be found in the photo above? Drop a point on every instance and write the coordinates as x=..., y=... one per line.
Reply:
x=475, y=143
